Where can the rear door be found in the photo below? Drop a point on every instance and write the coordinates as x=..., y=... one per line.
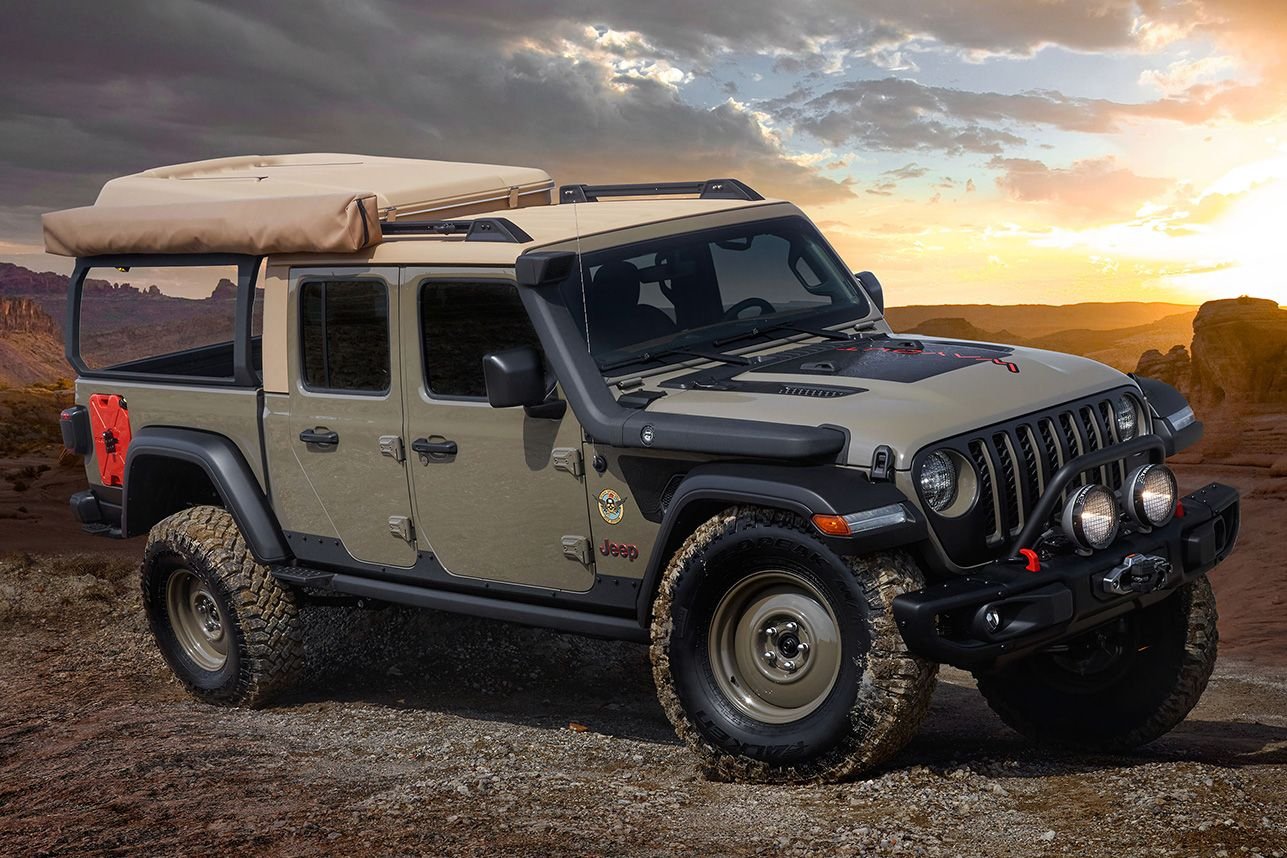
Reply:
x=502, y=498
x=346, y=410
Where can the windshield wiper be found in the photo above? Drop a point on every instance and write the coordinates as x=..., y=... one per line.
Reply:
x=648, y=357
x=798, y=328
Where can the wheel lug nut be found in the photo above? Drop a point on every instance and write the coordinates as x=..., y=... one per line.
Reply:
x=770, y=656
x=790, y=628
x=788, y=666
x=804, y=649
x=771, y=632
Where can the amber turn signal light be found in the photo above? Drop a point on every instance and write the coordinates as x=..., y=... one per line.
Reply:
x=831, y=525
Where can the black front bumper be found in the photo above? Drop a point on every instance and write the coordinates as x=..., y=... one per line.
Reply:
x=946, y=622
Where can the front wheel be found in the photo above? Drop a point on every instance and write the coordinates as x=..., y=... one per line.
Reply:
x=1118, y=686
x=777, y=660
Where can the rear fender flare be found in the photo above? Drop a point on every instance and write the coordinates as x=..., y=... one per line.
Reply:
x=227, y=471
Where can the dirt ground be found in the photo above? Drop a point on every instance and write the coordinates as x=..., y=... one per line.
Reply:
x=424, y=733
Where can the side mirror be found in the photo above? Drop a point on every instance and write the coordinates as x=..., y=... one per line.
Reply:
x=514, y=377
x=872, y=285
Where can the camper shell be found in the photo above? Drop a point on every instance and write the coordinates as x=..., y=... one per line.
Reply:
x=556, y=480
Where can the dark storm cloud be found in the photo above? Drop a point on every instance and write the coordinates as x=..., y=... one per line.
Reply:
x=133, y=85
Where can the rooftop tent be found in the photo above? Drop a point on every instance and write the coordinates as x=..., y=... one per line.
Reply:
x=283, y=204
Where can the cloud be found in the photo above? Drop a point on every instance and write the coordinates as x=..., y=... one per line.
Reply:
x=904, y=115
x=1091, y=190
x=1181, y=75
x=907, y=171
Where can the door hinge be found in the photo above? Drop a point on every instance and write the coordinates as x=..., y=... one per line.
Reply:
x=568, y=459
x=577, y=548
x=391, y=446
x=401, y=527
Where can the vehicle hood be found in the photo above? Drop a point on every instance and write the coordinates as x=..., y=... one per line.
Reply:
x=907, y=393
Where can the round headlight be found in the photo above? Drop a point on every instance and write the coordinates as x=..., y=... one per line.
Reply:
x=938, y=481
x=1149, y=494
x=1090, y=517
x=1127, y=418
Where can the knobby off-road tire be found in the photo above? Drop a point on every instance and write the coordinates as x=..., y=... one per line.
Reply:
x=1164, y=655
x=226, y=627
x=880, y=692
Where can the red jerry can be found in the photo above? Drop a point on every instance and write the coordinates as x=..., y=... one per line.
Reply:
x=109, y=423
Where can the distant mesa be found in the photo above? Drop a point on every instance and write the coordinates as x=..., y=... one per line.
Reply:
x=31, y=344
x=956, y=328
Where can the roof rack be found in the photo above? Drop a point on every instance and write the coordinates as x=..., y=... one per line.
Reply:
x=478, y=229
x=711, y=189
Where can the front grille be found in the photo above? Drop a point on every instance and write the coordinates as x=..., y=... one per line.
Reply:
x=1017, y=462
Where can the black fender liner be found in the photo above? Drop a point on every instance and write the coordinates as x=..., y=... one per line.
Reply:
x=227, y=470
x=610, y=423
x=806, y=490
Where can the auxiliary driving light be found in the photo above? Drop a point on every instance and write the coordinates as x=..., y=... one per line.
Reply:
x=1090, y=517
x=1149, y=495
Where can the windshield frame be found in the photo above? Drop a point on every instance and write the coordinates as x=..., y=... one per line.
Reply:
x=775, y=326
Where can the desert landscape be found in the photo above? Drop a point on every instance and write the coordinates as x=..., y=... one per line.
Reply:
x=424, y=733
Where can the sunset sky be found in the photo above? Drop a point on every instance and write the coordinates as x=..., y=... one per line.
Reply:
x=1003, y=151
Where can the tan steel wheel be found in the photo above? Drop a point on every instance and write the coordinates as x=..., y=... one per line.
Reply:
x=774, y=646
x=199, y=625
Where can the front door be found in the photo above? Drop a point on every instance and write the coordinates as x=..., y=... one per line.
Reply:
x=346, y=409
x=490, y=500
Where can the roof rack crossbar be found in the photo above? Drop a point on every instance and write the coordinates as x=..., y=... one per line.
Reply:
x=711, y=189
x=476, y=229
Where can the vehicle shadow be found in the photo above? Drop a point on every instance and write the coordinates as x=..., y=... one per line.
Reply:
x=493, y=671
x=961, y=730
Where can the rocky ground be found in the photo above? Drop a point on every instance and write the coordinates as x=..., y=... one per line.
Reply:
x=422, y=733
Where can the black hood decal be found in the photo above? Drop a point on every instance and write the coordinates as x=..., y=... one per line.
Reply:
x=886, y=359
x=875, y=358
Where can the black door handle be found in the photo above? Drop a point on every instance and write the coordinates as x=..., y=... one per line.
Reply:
x=321, y=437
x=425, y=447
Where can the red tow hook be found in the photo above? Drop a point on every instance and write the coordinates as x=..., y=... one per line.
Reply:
x=1179, y=509
x=1034, y=562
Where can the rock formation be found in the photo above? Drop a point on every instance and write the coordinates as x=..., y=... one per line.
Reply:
x=1239, y=353
x=1172, y=367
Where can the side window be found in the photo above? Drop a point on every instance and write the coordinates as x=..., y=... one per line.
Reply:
x=344, y=333
x=462, y=322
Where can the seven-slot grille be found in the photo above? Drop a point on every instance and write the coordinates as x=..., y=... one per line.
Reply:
x=1015, y=461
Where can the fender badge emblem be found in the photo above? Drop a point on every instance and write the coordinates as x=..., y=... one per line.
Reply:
x=611, y=506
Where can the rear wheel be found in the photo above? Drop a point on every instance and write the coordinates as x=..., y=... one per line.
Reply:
x=777, y=660
x=1118, y=686
x=225, y=626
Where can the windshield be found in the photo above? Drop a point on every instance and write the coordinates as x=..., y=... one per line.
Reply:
x=648, y=301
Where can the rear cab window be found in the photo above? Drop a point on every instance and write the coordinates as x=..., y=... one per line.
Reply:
x=344, y=336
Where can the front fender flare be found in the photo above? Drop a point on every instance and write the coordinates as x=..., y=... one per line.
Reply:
x=807, y=491
x=228, y=472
